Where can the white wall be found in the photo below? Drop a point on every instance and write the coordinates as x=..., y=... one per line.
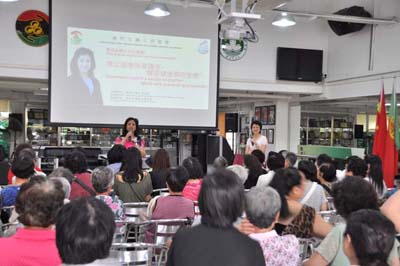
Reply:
x=257, y=70
x=17, y=59
x=348, y=56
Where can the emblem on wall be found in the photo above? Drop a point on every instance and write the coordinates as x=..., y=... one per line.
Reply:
x=32, y=28
x=233, y=50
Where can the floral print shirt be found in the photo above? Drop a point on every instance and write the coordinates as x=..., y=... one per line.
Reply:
x=115, y=205
x=278, y=250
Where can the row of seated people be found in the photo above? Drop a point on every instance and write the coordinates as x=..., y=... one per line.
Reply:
x=296, y=218
x=84, y=227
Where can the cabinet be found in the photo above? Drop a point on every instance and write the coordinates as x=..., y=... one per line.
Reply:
x=326, y=131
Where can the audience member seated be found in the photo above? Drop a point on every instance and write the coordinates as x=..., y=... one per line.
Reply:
x=349, y=195
x=63, y=172
x=240, y=171
x=324, y=158
x=326, y=174
x=4, y=167
x=220, y=162
x=66, y=186
x=37, y=205
x=375, y=174
x=27, y=148
x=114, y=157
x=133, y=184
x=275, y=161
x=314, y=195
x=160, y=168
x=296, y=218
x=290, y=160
x=193, y=185
x=81, y=185
x=255, y=170
x=103, y=181
x=260, y=156
x=368, y=238
x=84, y=232
x=215, y=241
x=23, y=168
x=262, y=207
x=173, y=206
x=356, y=167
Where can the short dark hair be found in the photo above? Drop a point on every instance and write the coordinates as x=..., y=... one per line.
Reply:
x=275, y=161
x=21, y=147
x=328, y=172
x=115, y=154
x=292, y=158
x=125, y=131
x=284, y=180
x=323, y=158
x=177, y=178
x=256, y=122
x=23, y=167
x=131, y=165
x=221, y=199
x=260, y=155
x=194, y=168
x=84, y=231
x=372, y=236
x=102, y=179
x=352, y=194
x=357, y=166
x=38, y=202
x=160, y=160
x=308, y=169
x=76, y=162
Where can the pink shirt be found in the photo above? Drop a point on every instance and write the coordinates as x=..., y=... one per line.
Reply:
x=278, y=250
x=192, y=189
x=129, y=143
x=30, y=247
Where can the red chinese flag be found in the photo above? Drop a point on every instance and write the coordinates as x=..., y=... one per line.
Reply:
x=380, y=129
x=390, y=159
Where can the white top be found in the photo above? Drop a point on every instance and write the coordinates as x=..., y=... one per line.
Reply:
x=264, y=180
x=262, y=140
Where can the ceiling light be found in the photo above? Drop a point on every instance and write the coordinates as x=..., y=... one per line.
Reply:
x=8, y=0
x=156, y=9
x=284, y=20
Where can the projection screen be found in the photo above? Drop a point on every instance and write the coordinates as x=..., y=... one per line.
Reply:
x=110, y=61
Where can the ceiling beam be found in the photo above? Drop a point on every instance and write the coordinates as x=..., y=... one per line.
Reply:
x=334, y=17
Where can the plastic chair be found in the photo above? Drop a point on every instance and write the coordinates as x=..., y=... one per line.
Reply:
x=161, y=192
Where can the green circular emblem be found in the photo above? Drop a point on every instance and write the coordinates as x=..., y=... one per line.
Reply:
x=233, y=50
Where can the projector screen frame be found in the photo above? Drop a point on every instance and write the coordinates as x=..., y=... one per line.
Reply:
x=150, y=126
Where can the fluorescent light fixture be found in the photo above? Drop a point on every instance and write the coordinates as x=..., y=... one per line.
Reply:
x=388, y=104
x=8, y=1
x=283, y=20
x=156, y=9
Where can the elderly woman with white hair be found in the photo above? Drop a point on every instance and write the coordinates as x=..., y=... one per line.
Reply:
x=103, y=181
x=262, y=205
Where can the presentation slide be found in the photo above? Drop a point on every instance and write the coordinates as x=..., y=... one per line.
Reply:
x=163, y=71
x=142, y=70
